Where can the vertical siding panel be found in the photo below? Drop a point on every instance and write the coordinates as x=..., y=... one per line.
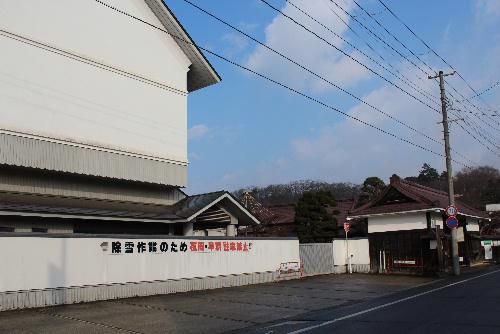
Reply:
x=44, y=154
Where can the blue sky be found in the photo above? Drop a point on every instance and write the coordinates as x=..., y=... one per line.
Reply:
x=245, y=131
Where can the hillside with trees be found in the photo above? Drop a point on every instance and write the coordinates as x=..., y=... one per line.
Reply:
x=477, y=186
x=290, y=193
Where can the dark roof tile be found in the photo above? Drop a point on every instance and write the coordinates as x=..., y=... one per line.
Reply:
x=419, y=198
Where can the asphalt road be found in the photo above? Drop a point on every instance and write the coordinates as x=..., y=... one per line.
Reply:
x=467, y=304
x=245, y=308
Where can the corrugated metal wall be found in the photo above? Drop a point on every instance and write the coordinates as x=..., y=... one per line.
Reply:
x=317, y=258
x=49, y=297
x=35, y=181
x=24, y=151
x=322, y=258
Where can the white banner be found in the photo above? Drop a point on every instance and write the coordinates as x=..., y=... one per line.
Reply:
x=44, y=262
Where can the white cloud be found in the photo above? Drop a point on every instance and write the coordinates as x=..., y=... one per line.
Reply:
x=489, y=8
x=197, y=131
x=351, y=151
x=235, y=44
x=303, y=47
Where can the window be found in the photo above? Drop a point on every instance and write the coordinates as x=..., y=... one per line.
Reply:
x=39, y=230
x=6, y=229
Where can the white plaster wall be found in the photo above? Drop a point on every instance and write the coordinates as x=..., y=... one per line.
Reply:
x=48, y=94
x=40, y=262
x=359, y=248
x=492, y=207
x=397, y=222
x=436, y=219
x=472, y=224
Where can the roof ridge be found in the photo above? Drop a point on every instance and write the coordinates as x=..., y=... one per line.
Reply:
x=418, y=185
x=209, y=193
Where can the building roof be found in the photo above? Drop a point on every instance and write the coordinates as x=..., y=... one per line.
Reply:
x=282, y=214
x=344, y=206
x=285, y=214
x=201, y=73
x=193, y=206
x=66, y=207
x=403, y=196
x=78, y=208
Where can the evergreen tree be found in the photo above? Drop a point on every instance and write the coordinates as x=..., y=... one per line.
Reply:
x=315, y=217
x=371, y=188
x=427, y=174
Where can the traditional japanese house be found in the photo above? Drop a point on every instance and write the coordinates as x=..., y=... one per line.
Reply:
x=406, y=229
x=93, y=121
x=281, y=224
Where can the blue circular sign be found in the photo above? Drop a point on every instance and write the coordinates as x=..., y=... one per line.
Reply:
x=452, y=222
x=451, y=210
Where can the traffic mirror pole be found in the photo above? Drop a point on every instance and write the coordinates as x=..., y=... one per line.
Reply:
x=451, y=194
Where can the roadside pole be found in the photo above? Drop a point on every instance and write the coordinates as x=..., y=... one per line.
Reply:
x=451, y=194
x=439, y=248
x=347, y=227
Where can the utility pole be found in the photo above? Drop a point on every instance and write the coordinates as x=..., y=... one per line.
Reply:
x=451, y=193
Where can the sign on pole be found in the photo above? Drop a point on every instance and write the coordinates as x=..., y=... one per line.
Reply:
x=451, y=210
x=452, y=222
x=347, y=227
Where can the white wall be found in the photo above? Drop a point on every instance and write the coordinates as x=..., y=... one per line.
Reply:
x=359, y=248
x=397, y=222
x=47, y=94
x=472, y=224
x=436, y=220
x=492, y=207
x=42, y=262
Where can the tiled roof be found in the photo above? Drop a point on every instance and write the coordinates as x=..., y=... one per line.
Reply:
x=18, y=203
x=285, y=214
x=417, y=197
x=282, y=214
x=192, y=204
x=344, y=207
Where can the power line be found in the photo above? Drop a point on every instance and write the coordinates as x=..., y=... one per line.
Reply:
x=346, y=12
x=321, y=38
x=392, y=35
x=477, y=128
x=371, y=32
x=404, y=46
x=478, y=140
x=328, y=29
x=310, y=71
x=428, y=47
x=384, y=42
x=276, y=82
x=370, y=46
x=395, y=38
x=469, y=113
x=483, y=92
x=402, y=77
x=480, y=111
x=281, y=12
x=473, y=105
x=347, y=55
x=479, y=132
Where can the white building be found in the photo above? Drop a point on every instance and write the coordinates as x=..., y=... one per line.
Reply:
x=93, y=120
x=402, y=231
